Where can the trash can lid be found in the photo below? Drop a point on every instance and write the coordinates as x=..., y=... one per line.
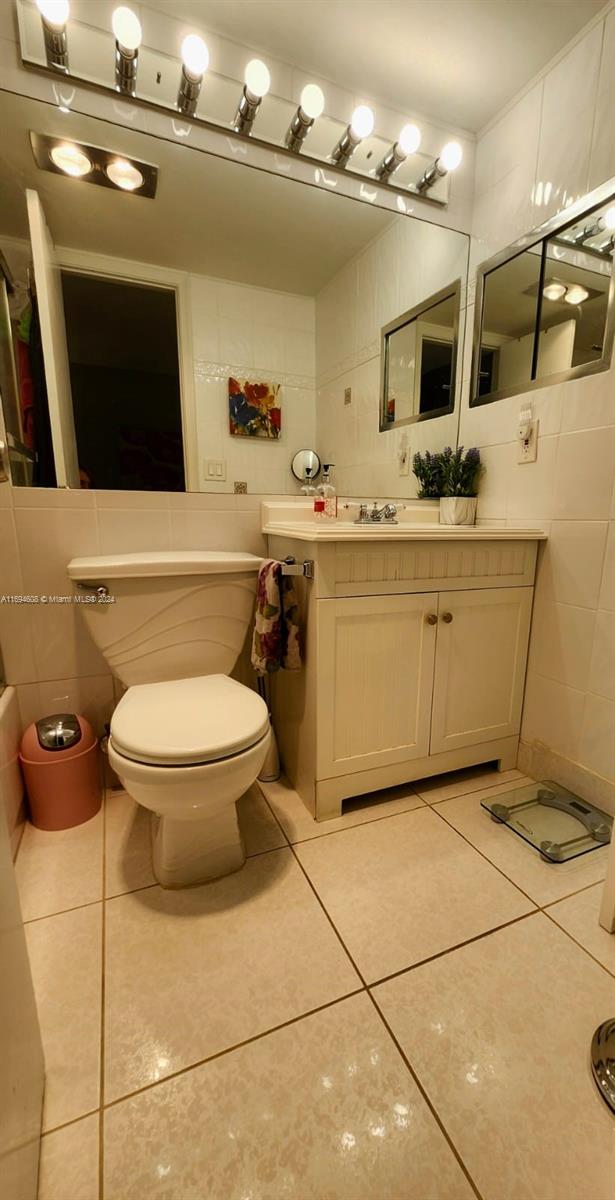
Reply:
x=59, y=731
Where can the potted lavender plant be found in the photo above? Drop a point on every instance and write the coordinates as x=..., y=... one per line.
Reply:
x=459, y=485
x=428, y=470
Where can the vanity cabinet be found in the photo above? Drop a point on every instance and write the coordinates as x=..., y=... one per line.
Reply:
x=414, y=662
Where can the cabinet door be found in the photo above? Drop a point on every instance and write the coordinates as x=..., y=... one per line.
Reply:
x=374, y=681
x=480, y=666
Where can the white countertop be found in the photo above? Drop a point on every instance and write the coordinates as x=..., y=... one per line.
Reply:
x=296, y=520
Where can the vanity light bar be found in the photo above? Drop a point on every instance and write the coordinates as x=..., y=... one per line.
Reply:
x=361, y=126
x=311, y=106
x=408, y=143
x=54, y=15
x=94, y=164
x=257, y=82
x=127, y=29
x=195, y=61
x=448, y=160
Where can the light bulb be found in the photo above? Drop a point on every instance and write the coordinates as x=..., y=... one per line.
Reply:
x=54, y=12
x=362, y=122
x=576, y=294
x=126, y=28
x=195, y=55
x=608, y=219
x=124, y=175
x=451, y=156
x=257, y=78
x=409, y=139
x=312, y=101
x=70, y=159
x=554, y=291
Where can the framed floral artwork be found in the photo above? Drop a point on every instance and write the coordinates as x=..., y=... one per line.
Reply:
x=254, y=409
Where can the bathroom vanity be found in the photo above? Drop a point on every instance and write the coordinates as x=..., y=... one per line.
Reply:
x=415, y=640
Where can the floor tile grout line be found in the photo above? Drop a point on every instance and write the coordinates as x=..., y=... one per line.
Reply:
x=586, y=888
x=434, y=1112
x=578, y=943
x=101, y=1085
x=329, y=917
x=257, y=1037
x=478, y=937
x=509, y=785
x=62, y=911
x=91, y=1112
x=359, y=824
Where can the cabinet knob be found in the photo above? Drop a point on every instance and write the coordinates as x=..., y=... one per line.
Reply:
x=431, y=618
x=447, y=618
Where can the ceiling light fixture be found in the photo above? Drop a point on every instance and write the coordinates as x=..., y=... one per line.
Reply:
x=576, y=294
x=127, y=30
x=408, y=143
x=71, y=159
x=54, y=15
x=448, y=160
x=94, y=164
x=311, y=106
x=195, y=61
x=257, y=83
x=554, y=291
x=361, y=126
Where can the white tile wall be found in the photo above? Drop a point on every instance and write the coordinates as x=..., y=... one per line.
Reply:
x=555, y=143
x=46, y=649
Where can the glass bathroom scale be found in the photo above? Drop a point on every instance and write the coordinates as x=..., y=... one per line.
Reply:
x=557, y=823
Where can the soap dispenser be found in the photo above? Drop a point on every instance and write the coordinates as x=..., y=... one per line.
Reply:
x=328, y=492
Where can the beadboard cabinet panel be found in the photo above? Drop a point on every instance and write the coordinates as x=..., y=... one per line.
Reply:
x=375, y=678
x=480, y=666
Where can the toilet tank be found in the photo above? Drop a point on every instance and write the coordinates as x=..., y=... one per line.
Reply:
x=167, y=615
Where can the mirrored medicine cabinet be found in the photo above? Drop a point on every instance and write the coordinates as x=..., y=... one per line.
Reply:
x=545, y=306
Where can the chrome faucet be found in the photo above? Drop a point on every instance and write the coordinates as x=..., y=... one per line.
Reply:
x=386, y=515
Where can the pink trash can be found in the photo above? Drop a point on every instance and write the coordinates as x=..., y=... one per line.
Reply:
x=59, y=758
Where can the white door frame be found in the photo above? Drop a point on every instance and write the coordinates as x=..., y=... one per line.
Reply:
x=89, y=263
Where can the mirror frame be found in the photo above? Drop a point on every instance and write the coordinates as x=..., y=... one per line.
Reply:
x=539, y=237
x=452, y=290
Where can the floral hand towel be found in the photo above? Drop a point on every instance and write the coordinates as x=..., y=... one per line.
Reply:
x=275, y=642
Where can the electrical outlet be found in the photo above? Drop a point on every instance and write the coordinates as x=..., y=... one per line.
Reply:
x=348, y=395
x=528, y=444
x=403, y=460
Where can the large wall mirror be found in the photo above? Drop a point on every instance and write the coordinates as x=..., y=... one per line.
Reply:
x=545, y=311
x=197, y=338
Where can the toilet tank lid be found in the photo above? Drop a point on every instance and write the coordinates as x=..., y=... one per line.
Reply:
x=158, y=562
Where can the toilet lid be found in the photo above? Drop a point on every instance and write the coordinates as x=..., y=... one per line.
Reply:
x=188, y=721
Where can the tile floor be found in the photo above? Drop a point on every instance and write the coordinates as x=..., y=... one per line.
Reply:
x=396, y=1005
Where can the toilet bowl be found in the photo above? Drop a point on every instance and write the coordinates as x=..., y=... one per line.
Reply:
x=187, y=750
x=186, y=740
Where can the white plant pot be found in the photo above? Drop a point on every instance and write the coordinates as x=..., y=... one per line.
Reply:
x=458, y=510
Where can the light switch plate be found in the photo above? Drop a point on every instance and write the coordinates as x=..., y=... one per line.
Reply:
x=215, y=469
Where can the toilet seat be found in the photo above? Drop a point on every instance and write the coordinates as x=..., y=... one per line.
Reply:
x=184, y=722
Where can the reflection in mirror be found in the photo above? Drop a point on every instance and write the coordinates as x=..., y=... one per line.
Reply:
x=510, y=304
x=305, y=465
x=575, y=293
x=418, y=361
x=136, y=322
x=547, y=313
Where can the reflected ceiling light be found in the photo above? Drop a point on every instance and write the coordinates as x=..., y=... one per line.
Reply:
x=311, y=106
x=554, y=291
x=71, y=159
x=127, y=30
x=408, y=143
x=94, y=164
x=257, y=83
x=54, y=15
x=609, y=218
x=195, y=61
x=124, y=174
x=576, y=294
x=448, y=160
x=361, y=126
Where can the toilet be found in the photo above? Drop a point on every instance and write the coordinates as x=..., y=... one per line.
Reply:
x=186, y=740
